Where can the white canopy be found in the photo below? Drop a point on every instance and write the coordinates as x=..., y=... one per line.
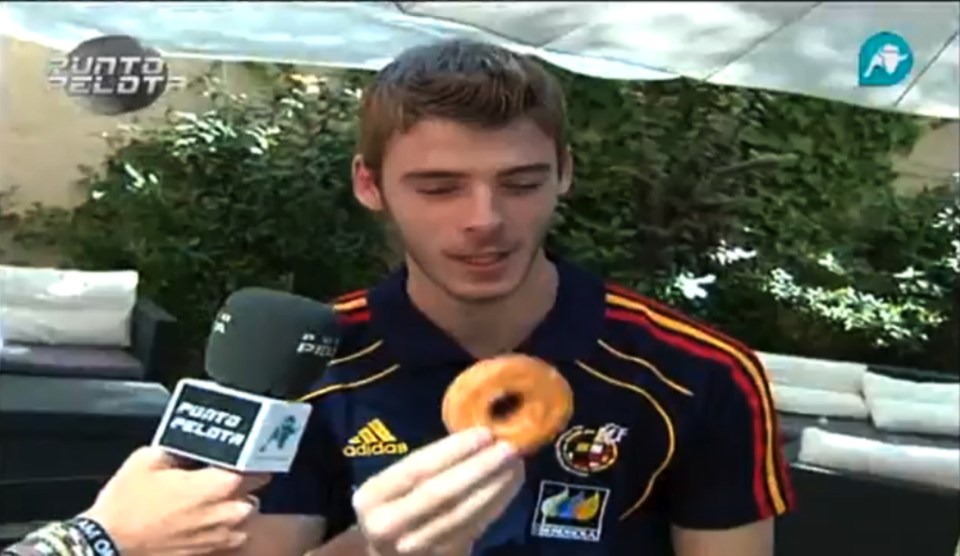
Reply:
x=804, y=47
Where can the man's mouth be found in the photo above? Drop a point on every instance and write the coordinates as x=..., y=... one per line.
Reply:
x=483, y=260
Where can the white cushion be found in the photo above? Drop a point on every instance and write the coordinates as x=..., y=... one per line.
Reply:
x=899, y=405
x=877, y=386
x=915, y=417
x=808, y=401
x=66, y=307
x=818, y=374
x=920, y=464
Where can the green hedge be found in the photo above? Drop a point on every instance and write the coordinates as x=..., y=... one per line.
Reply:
x=256, y=192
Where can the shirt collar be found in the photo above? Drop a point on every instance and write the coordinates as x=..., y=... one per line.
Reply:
x=568, y=331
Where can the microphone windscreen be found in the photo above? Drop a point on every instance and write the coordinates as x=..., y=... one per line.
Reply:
x=271, y=343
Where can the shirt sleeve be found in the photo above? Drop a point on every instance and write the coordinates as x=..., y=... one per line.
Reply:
x=318, y=481
x=731, y=471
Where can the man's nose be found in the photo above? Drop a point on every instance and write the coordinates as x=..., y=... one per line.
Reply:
x=485, y=211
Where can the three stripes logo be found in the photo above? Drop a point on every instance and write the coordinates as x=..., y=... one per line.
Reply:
x=374, y=439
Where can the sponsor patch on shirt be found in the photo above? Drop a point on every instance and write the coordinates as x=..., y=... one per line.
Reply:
x=570, y=512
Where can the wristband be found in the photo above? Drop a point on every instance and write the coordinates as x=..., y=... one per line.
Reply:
x=95, y=536
x=54, y=539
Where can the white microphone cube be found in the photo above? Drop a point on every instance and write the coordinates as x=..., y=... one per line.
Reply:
x=220, y=426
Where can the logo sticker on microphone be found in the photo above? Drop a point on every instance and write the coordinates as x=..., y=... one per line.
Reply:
x=210, y=424
x=281, y=434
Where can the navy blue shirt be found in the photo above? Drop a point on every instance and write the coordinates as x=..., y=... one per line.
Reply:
x=672, y=424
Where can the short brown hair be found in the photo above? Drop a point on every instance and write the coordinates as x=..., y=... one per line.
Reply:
x=469, y=82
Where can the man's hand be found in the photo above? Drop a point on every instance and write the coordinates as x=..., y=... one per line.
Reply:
x=440, y=498
x=151, y=507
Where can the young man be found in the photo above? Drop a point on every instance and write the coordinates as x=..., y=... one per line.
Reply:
x=673, y=446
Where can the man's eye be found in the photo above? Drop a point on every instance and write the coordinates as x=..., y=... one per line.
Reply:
x=435, y=191
x=522, y=186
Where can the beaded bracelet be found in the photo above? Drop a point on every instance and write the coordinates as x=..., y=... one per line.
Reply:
x=54, y=539
x=80, y=536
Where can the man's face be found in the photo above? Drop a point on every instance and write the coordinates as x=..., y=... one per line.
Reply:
x=472, y=205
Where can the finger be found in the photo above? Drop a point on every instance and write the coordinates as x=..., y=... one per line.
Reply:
x=468, y=519
x=230, y=514
x=401, y=477
x=438, y=494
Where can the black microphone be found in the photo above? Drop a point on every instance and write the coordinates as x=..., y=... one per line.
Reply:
x=265, y=348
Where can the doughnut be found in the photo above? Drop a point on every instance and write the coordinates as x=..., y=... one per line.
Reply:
x=523, y=400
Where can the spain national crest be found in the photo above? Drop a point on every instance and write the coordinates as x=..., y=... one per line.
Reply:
x=584, y=451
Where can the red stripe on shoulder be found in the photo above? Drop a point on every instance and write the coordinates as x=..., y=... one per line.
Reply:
x=679, y=340
x=354, y=317
x=350, y=296
x=353, y=311
x=739, y=374
x=674, y=314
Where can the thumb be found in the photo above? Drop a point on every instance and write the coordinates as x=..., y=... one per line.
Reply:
x=224, y=483
x=150, y=458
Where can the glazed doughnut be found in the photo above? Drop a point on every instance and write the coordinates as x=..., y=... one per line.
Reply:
x=522, y=399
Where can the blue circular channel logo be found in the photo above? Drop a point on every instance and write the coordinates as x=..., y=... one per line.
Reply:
x=885, y=60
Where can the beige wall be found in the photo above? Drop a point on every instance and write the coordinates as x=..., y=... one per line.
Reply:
x=935, y=157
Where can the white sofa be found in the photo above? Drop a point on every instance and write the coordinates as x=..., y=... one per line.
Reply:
x=816, y=387
x=91, y=324
x=829, y=393
x=52, y=306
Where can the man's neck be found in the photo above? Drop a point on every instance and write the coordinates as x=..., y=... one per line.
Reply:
x=488, y=329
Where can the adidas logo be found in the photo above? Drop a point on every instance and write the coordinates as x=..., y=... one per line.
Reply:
x=374, y=439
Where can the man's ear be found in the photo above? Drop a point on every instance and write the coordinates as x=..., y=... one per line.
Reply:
x=566, y=171
x=365, y=187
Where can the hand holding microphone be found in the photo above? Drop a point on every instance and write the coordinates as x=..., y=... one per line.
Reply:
x=152, y=507
x=190, y=493
x=265, y=348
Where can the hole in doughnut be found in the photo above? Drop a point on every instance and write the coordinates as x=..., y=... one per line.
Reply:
x=505, y=405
